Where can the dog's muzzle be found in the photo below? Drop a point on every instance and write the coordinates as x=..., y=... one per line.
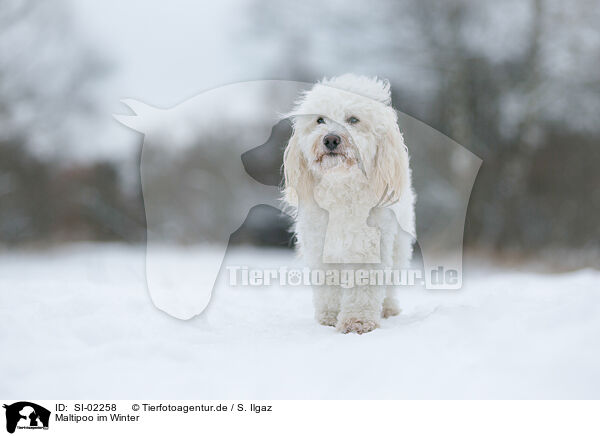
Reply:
x=331, y=141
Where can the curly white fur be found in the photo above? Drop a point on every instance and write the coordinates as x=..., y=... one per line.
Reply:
x=358, y=110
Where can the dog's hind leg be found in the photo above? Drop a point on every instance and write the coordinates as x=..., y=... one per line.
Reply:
x=401, y=255
x=327, y=304
x=390, y=303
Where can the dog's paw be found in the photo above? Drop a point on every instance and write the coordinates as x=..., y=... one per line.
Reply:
x=355, y=325
x=327, y=318
x=390, y=311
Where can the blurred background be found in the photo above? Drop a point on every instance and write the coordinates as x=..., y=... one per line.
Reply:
x=515, y=82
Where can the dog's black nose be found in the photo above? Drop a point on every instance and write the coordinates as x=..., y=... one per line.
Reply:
x=331, y=141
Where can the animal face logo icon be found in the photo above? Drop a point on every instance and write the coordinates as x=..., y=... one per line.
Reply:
x=24, y=414
x=198, y=192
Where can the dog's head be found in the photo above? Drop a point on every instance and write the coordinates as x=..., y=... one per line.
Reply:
x=342, y=124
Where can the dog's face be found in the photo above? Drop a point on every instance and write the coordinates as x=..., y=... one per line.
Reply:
x=343, y=124
x=335, y=128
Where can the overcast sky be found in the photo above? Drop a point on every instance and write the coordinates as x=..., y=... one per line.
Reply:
x=162, y=53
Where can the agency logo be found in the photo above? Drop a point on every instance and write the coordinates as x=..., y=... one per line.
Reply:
x=198, y=193
x=26, y=415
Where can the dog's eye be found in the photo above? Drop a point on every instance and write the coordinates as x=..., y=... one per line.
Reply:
x=320, y=120
x=352, y=120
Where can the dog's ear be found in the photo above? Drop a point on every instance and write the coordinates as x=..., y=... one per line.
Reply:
x=391, y=171
x=295, y=172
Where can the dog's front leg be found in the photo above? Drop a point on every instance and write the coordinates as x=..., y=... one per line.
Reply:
x=327, y=304
x=360, y=309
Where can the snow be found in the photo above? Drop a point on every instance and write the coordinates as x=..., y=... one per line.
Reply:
x=77, y=322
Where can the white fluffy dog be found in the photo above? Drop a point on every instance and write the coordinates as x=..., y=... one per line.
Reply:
x=344, y=128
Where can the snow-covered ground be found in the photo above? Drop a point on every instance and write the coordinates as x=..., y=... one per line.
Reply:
x=77, y=322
